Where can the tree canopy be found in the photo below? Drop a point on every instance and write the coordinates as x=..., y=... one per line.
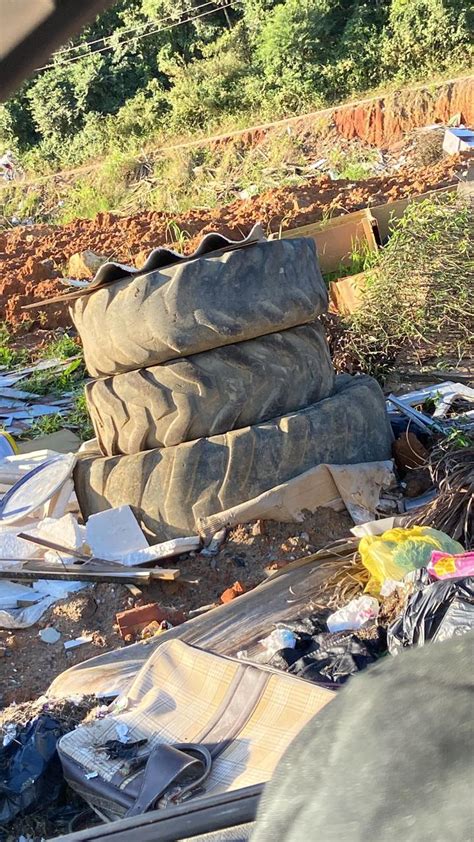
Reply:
x=150, y=67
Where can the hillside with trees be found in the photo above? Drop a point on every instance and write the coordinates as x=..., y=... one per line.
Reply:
x=156, y=68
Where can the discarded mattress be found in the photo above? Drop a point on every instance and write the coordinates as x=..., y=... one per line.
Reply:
x=171, y=488
x=211, y=393
x=191, y=307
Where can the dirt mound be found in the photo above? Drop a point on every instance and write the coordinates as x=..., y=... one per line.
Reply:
x=34, y=258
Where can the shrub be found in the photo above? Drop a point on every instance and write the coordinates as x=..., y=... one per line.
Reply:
x=425, y=35
x=419, y=296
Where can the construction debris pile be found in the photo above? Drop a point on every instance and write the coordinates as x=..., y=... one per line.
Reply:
x=217, y=410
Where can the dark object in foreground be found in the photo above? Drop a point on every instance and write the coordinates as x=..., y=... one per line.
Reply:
x=438, y=611
x=388, y=737
x=204, y=815
x=30, y=769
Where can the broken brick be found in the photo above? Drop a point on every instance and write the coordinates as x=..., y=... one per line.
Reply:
x=231, y=593
x=134, y=620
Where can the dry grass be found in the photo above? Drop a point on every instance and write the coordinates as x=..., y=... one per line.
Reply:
x=452, y=511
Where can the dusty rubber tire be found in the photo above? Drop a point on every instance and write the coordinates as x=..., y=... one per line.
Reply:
x=211, y=393
x=206, y=303
x=170, y=488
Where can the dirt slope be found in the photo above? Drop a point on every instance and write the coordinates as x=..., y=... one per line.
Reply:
x=386, y=119
x=34, y=258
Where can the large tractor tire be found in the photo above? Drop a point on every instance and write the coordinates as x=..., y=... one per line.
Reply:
x=211, y=393
x=187, y=308
x=170, y=488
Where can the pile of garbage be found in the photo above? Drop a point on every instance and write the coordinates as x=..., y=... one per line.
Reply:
x=215, y=404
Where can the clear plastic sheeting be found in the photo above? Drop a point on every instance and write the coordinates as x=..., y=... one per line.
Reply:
x=47, y=592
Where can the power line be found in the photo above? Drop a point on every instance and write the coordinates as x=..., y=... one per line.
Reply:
x=151, y=22
x=104, y=49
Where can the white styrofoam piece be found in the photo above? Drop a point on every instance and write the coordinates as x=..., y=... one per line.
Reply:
x=78, y=641
x=13, y=547
x=64, y=530
x=114, y=533
x=176, y=546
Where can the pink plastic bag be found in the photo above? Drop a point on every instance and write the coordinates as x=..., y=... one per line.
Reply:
x=446, y=566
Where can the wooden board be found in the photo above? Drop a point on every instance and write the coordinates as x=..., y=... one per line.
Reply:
x=64, y=441
x=388, y=214
x=337, y=238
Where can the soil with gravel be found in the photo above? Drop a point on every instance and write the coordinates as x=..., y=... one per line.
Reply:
x=251, y=553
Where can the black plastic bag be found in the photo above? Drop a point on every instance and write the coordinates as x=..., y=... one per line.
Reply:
x=329, y=659
x=30, y=770
x=435, y=612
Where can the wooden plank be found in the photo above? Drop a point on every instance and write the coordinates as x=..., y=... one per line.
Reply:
x=64, y=441
x=337, y=238
x=88, y=573
x=387, y=215
x=51, y=545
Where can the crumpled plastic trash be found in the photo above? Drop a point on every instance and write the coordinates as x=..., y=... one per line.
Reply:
x=354, y=615
x=437, y=611
x=330, y=659
x=399, y=551
x=277, y=640
x=446, y=566
x=31, y=770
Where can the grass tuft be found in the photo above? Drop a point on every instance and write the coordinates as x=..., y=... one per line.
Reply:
x=419, y=295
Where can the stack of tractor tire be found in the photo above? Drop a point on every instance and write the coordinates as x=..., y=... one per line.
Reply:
x=213, y=384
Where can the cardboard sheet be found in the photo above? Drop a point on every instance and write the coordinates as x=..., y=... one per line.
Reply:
x=354, y=487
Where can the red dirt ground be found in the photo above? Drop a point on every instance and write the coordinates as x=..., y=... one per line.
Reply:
x=34, y=258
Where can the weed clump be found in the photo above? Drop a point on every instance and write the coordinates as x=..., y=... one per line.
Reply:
x=419, y=296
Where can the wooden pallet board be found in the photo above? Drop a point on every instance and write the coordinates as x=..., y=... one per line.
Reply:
x=337, y=238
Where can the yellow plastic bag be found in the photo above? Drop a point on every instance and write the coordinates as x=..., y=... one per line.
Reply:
x=399, y=551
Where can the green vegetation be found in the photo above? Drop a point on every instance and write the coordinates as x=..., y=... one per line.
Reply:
x=79, y=419
x=9, y=356
x=150, y=69
x=52, y=383
x=419, y=295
